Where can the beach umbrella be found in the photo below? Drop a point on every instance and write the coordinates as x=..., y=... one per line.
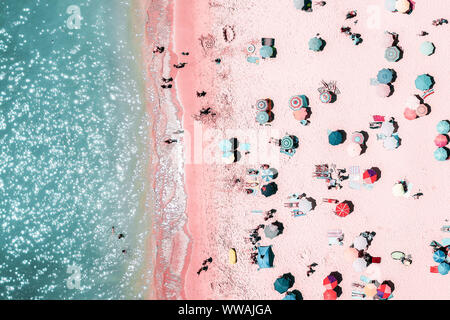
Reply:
x=441, y=154
x=427, y=48
x=225, y=145
x=360, y=243
x=443, y=268
x=390, y=5
x=267, y=175
x=392, y=54
x=262, y=105
x=370, y=290
x=304, y=205
x=335, y=138
x=387, y=128
x=443, y=127
x=423, y=82
x=412, y=102
x=283, y=283
x=300, y=114
x=351, y=254
x=409, y=114
x=228, y=157
x=269, y=189
x=315, y=44
x=330, y=282
x=359, y=265
x=385, y=76
x=296, y=103
x=439, y=256
x=325, y=97
x=303, y=4
x=287, y=143
x=271, y=231
x=289, y=296
x=402, y=6
x=262, y=117
x=421, y=110
x=398, y=190
x=266, y=51
x=354, y=150
x=390, y=143
x=370, y=176
x=358, y=137
x=441, y=140
x=384, y=291
x=342, y=209
x=265, y=257
x=383, y=90
x=330, y=295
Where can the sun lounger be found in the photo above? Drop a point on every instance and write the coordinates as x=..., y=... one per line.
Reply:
x=327, y=200
x=368, y=186
x=335, y=241
x=290, y=154
x=358, y=295
x=445, y=228
x=253, y=60
x=376, y=259
x=298, y=213
x=375, y=125
x=364, y=279
x=446, y=242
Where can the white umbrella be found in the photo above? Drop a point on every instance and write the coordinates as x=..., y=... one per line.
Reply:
x=354, y=150
x=359, y=265
x=390, y=143
x=360, y=243
x=412, y=102
x=387, y=128
x=304, y=205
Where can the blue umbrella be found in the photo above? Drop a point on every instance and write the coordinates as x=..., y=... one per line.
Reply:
x=443, y=127
x=262, y=117
x=443, y=268
x=315, y=44
x=283, y=283
x=385, y=76
x=439, y=256
x=441, y=154
x=335, y=138
x=266, y=51
x=423, y=82
x=289, y=296
x=267, y=175
x=225, y=145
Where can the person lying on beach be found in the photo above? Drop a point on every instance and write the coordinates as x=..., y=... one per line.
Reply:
x=205, y=111
x=320, y=3
x=164, y=86
x=269, y=214
x=439, y=22
x=417, y=195
x=201, y=94
x=169, y=141
x=167, y=80
x=311, y=270
x=158, y=49
x=265, y=167
x=218, y=61
x=120, y=236
x=422, y=33
x=180, y=65
x=350, y=14
x=185, y=53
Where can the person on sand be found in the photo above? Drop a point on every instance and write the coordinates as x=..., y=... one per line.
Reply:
x=164, y=86
x=170, y=141
x=201, y=94
x=276, y=142
x=180, y=65
x=417, y=195
x=167, y=80
x=120, y=236
x=185, y=53
x=311, y=270
x=158, y=50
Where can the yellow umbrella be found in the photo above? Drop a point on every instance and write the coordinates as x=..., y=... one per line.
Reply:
x=370, y=290
x=398, y=190
x=232, y=258
x=402, y=6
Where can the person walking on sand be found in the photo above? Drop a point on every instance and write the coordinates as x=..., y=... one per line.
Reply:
x=417, y=195
x=180, y=65
x=170, y=141
x=201, y=94
x=167, y=80
x=158, y=50
x=164, y=86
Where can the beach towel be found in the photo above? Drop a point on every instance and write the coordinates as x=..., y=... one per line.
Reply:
x=378, y=118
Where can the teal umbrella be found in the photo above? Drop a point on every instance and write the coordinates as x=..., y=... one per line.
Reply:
x=441, y=154
x=287, y=143
x=335, y=138
x=392, y=54
x=262, y=117
x=315, y=44
x=266, y=51
x=283, y=283
x=427, y=48
x=424, y=82
x=385, y=76
x=289, y=296
x=439, y=256
x=443, y=127
x=443, y=268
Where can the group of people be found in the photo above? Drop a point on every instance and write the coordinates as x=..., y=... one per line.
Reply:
x=205, y=265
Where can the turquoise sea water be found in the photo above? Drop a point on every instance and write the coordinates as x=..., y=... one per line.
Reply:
x=73, y=152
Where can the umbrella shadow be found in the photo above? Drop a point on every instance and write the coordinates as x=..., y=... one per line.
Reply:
x=274, y=54
x=378, y=171
x=271, y=104
x=395, y=124
x=324, y=43
x=234, y=143
x=298, y=295
x=394, y=75
x=338, y=291
x=428, y=108
x=366, y=138
x=337, y=275
x=271, y=117
x=333, y=97
x=279, y=225
x=392, y=89
x=274, y=173
x=344, y=135
x=432, y=81
x=350, y=205
x=390, y=284
x=237, y=155
x=313, y=202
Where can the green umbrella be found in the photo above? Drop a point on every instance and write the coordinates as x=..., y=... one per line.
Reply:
x=315, y=44
x=443, y=127
x=287, y=143
x=427, y=48
x=424, y=82
x=335, y=138
x=441, y=154
x=266, y=51
x=385, y=76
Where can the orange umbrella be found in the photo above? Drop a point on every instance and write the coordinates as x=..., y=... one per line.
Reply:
x=370, y=290
x=351, y=254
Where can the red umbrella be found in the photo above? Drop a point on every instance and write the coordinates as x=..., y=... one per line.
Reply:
x=342, y=209
x=295, y=103
x=330, y=282
x=370, y=176
x=384, y=291
x=330, y=295
x=409, y=114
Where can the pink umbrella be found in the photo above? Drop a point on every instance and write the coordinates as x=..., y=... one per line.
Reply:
x=300, y=114
x=350, y=254
x=383, y=90
x=441, y=140
x=422, y=110
x=357, y=137
x=410, y=114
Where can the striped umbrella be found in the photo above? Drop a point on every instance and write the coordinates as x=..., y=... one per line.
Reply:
x=262, y=117
x=296, y=103
x=262, y=105
x=370, y=176
x=392, y=54
x=439, y=256
x=370, y=290
x=357, y=137
x=330, y=282
x=267, y=175
x=325, y=97
x=342, y=209
x=287, y=143
x=384, y=291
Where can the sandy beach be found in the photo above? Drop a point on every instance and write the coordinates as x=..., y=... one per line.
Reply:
x=219, y=212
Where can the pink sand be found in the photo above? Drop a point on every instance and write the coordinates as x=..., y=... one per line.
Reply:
x=219, y=214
